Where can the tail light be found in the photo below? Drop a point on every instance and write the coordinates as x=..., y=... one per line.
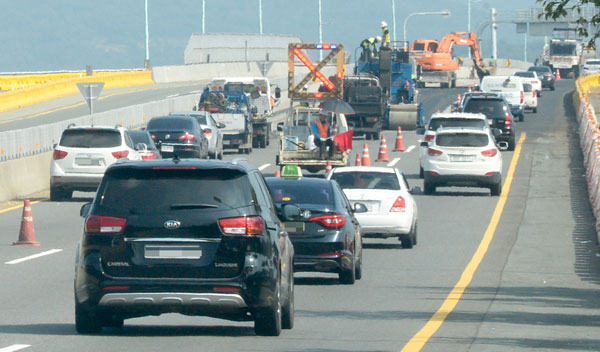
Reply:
x=534, y=82
x=508, y=121
x=399, y=205
x=434, y=152
x=208, y=132
x=187, y=137
x=97, y=224
x=153, y=137
x=59, y=154
x=242, y=226
x=148, y=155
x=120, y=154
x=533, y=91
x=330, y=254
x=429, y=137
x=490, y=152
x=330, y=221
x=521, y=97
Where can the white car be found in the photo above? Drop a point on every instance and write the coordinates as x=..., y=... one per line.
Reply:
x=532, y=78
x=530, y=98
x=83, y=154
x=392, y=210
x=510, y=88
x=445, y=120
x=591, y=66
x=463, y=157
x=211, y=129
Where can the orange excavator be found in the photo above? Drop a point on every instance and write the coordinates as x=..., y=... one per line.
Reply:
x=436, y=62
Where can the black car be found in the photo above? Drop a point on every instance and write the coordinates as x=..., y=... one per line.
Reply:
x=497, y=110
x=326, y=235
x=188, y=236
x=149, y=151
x=545, y=74
x=178, y=135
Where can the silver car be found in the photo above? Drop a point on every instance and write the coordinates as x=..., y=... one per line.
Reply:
x=212, y=131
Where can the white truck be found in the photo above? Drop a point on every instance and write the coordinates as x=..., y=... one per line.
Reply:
x=564, y=52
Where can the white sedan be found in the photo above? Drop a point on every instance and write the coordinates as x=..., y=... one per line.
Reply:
x=392, y=210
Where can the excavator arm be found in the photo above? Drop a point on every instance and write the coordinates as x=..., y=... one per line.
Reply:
x=467, y=39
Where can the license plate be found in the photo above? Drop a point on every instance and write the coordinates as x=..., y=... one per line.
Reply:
x=88, y=162
x=294, y=226
x=462, y=158
x=172, y=252
x=167, y=148
x=226, y=142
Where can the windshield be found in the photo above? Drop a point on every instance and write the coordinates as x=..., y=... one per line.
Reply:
x=461, y=140
x=562, y=49
x=436, y=123
x=492, y=109
x=90, y=138
x=366, y=180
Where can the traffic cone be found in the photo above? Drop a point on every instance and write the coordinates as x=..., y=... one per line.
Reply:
x=383, y=151
x=328, y=167
x=558, y=75
x=399, y=147
x=458, y=98
x=27, y=232
x=438, y=111
x=277, y=173
x=358, y=160
x=470, y=89
x=366, y=159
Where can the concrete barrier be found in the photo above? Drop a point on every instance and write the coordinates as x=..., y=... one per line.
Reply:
x=201, y=72
x=25, y=176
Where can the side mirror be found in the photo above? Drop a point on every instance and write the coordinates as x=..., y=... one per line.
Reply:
x=290, y=211
x=277, y=92
x=420, y=130
x=280, y=126
x=141, y=146
x=220, y=125
x=424, y=144
x=359, y=208
x=85, y=210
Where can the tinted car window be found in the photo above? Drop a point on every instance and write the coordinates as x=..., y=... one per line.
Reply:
x=491, y=108
x=527, y=87
x=462, y=140
x=140, y=137
x=366, y=180
x=126, y=191
x=436, y=123
x=525, y=74
x=540, y=69
x=170, y=124
x=90, y=138
x=302, y=194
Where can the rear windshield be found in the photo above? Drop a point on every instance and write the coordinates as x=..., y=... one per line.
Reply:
x=540, y=69
x=492, y=109
x=525, y=74
x=461, y=140
x=593, y=62
x=366, y=180
x=140, y=137
x=170, y=124
x=127, y=191
x=436, y=123
x=526, y=87
x=90, y=138
x=302, y=194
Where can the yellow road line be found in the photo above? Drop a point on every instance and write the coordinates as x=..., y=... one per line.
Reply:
x=418, y=341
x=6, y=210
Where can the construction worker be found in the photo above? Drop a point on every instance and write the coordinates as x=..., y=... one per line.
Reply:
x=322, y=132
x=369, y=48
x=385, y=35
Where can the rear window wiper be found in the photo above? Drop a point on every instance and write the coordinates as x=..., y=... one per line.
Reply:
x=192, y=206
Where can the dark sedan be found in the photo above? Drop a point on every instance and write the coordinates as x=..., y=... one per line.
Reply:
x=178, y=135
x=545, y=74
x=148, y=152
x=326, y=235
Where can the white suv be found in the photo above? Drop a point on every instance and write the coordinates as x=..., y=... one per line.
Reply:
x=463, y=157
x=83, y=154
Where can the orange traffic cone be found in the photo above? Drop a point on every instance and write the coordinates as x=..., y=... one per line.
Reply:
x=366, y=159
x=399, y=147
x=358, y=160
x=27, y=232
x=328, y=167
x=383, y=151
x=558, y=75
x=470, y=90
x=458, y=98
x=438, y=111
x=277, y=173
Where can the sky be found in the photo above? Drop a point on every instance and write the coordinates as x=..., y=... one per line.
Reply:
x=40, y=35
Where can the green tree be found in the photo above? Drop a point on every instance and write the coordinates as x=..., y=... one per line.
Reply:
x=587, y=27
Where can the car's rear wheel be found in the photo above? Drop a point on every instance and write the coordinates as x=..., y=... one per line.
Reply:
x=496, y=189
x=414, y=235
x=268, y=321
x=511, y=144
x=407, y=240
x=428, y=188
x=376, y=136
x=348, y=276
x=287, y=310
x=421, y=172
x=535, y=110
x=368, y=136
x=358, y=269
x=56, y=194
x=85, y=322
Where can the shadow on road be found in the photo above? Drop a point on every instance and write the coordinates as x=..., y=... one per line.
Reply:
x=390, y=245
x=314, y=281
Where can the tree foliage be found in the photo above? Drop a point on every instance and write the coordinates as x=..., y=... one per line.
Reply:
x=586, y=27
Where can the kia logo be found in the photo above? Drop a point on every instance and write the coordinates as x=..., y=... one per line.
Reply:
x=172, y=224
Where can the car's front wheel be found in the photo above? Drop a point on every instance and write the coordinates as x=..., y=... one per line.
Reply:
x=85, y=322
x=287, y=312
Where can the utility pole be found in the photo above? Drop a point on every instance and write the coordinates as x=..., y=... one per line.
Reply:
x=469, y=20
x=320, y=31
x=260, y=16
x=394, y=17
x=203, y=16
x=147, y=60
x=494, y=28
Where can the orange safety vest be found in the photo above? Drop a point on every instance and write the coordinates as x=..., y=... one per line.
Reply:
x=323, y=129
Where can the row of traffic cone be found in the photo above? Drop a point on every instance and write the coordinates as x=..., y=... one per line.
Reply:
x=365, y=159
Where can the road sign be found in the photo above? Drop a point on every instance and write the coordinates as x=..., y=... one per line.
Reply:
x=90, y=91
x=333, y=89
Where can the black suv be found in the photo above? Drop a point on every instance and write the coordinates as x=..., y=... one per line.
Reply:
x=187, y=236
x=497, y=111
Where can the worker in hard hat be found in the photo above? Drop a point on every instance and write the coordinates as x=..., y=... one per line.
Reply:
x=385, y=35
x=369, y=48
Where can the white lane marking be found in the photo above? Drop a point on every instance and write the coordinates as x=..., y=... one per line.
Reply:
x=17, y=261
x=393, y=162
x=262, y=167
x=171, y=96
x=409, y=149
x=14, y=348
x=196, y=91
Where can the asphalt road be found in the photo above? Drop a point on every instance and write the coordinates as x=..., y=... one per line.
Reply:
x=535, y=289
